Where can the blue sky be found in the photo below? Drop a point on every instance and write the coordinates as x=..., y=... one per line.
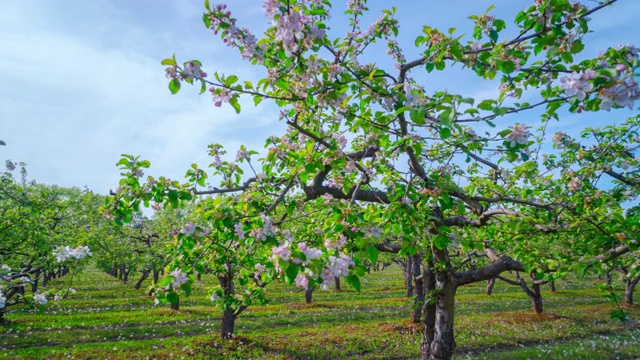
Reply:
x=82, y=81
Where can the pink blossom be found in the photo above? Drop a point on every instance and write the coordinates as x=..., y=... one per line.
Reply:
x=576, y=85
x=238, y=231
x=618, y=94
x=519, y=135
x=180, y=278
x=188, y=229
x=192, y=71
x=282, y=252
x=302, y=281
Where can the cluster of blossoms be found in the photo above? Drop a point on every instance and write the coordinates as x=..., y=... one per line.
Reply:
x=40, y=299
x=236, y=37
x=267, y=229
x=220, y=96
x=337, y=267
x=192, y=71
x=190, y=229
x=335, y=243
x=622, y=90
x=282, y=252
x=180, y=278
x=65, y=253
x=519, y=135
x=291, y=27
x=578, y=84
x=309, y=253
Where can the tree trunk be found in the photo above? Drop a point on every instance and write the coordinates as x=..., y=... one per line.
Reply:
x=429, y=321
x=607, y=277
x=552, y=286
x=228, y=316
x=533, y=294
x=144, y=276
x=125, y=277
x=628, y=292
x=408, y=277
x=536, y=299
x=337, y=282
x=45, y=279
x=228, y=323
x=199, y=277
x=308, y=294
x=442, y=343
x=36, y=279
x=156, y=276
x=490, y=284
x=416, y=262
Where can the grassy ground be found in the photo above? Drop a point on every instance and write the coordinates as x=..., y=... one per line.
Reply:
x=108, y=320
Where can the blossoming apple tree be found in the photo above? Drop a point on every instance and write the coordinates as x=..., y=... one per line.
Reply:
x=373, y=161
x=42, y=232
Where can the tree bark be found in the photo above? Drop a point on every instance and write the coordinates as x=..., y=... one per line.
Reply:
x=228, y=323
x=156, y=276
x=125, y=276
x=628, y=292
x=490, y=284
x=416, y=262
x=308, y=295
x=229, y=315
x=144, y=276
x=429, y=311
x=408, y=277
x=552, y=286
x=442, y=343
x=337, y=282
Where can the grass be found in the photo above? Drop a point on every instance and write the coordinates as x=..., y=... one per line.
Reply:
x=106, y=319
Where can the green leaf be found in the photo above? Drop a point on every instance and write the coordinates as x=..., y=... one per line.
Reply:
x=236, y=105
x=174, y=86
x=230, y=80
x=168, y=61
x=290, y=273
x=441, y=241
x=354, y=281
x=417, y=116
x=173, y=298
x=372, y=252
x=173, y=198
x=445, y=133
